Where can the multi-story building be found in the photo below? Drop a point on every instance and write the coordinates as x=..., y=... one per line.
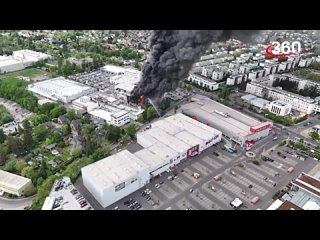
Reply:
x=232, y=80
x=84, y=104
x=299, y=103
x=279, y=108
x=204, y=82
x=217, y=75
x=111, y=116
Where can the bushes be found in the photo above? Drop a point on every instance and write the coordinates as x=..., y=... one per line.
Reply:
x=14, y=89
x=43, y=192
x=5, y=116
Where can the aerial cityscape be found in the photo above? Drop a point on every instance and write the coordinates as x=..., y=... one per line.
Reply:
x=159, y=120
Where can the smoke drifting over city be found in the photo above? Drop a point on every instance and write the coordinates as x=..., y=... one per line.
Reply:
x=172, y=55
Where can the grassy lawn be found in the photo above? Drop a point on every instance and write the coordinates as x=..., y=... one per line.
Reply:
x=30, y=72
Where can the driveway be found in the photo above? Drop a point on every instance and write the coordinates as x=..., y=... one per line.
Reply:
x=15, y=204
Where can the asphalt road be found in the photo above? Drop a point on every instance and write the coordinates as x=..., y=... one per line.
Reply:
x=15, y=204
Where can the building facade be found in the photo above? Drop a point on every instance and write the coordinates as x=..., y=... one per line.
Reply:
x=279, y=108
x=204, y=82
x=299, y=103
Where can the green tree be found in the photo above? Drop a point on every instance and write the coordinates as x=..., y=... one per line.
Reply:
x=66, y=129
x=76, y=153
x=15, y=145
x=20, y=164
x=151, y=113
x=43, y=169
x=114, y=133
x=86, y=119
x=2, y=136
x=90, y=138
x=10, y=166
x=27, y=135
x=131, y=130
x=71, y=114
x=100, y=153
x=57, y=111
x=40, y=132
x=3, y=154
x=314, y=135
x=165, y=103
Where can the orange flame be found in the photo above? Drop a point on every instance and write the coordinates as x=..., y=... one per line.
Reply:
x=141, y=99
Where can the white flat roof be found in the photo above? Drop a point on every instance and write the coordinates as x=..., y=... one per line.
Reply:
x=8, y=61
x=114, y=69
x=120, y=114
x=84, y=103
x=13, y=181
x=188, y=138
x=199, y=132
x=162, y=150
x=149, y=158
x=275, y=205
x=150, y=140
x=125, y=86
x=59, y=86
x=115, y=169
x=101, y=113
x=167, y=126
x=168, y=139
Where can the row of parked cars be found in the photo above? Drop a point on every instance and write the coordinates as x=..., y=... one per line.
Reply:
x=132, y=204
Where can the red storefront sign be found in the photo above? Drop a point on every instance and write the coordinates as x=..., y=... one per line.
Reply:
x=260, y=128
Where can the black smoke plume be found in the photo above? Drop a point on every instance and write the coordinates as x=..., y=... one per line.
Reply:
x=173, y=52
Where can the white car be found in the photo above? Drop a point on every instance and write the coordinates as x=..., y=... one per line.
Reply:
x=148, y=191
x=157, y=185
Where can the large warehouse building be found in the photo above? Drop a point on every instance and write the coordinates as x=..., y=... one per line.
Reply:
x=14, y=184
x=115, y=177
x=61, y=89
x=168, y=142
x=20, y=60
x=235, y=125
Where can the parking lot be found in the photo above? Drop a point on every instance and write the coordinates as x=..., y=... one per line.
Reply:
x=240, y=178
x=98, y=79
x=18, y=113
x=67, y=197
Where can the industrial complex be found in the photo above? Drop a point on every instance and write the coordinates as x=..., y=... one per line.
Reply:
x=235, y=125
x=20, y=60
x=60, y=89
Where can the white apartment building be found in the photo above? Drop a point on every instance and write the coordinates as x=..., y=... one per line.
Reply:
x=244, y=69
x=204, y=82
x=232, y=80
x=279, y=108
x=299, y=103
x=217, y=75
x=111, y=116
x=306, y=62
x=257, y=74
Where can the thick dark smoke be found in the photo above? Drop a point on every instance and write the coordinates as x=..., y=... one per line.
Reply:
x=173, y=52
